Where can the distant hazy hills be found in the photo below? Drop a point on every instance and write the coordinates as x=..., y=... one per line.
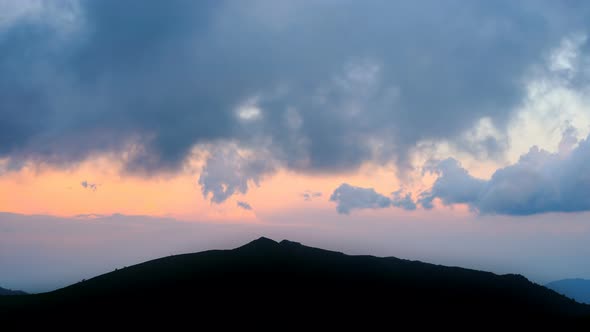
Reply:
x=577, y=289
x=4, y=291
x=289, y=283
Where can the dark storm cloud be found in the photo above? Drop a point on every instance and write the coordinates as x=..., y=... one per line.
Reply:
x=335, y=83
x=539, y=182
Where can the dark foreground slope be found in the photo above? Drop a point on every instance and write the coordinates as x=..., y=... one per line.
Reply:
x=266, y=281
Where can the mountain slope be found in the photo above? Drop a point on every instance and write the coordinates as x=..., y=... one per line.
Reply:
x=577, y=289
x=288, y=281
x=4, y=291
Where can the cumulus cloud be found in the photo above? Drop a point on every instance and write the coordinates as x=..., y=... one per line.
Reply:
x=350, y=198
x=89, y=186
x=229, y=170
x=244, y=205
x=453, y=185
x=539, y=182
x=403, y=200
x=309, y=195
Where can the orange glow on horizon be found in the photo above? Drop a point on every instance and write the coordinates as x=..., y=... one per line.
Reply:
x=59, y=192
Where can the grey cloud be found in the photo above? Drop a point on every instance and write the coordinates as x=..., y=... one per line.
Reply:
x=350, y=198
x=309, y=195
x=229, y=170
x=539, y=182
x=244, y=205
x=568, y=140
x=403, y=200
x=454, y=184
x=88, y=185
x=164, y=76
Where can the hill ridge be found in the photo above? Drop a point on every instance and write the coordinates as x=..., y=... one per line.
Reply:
x=320, y=279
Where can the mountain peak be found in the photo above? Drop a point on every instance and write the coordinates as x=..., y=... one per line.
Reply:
x=260, y=244
x=265, y=240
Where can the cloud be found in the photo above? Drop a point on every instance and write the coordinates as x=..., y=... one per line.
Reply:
x=88, y=185
x=229, y=170
x=454, y=184
x=350, y=198
x=403, y=200
x=149, y=82
x=309, y=195
x=57, y=14
x=159, y=78
x=539, y=182
x=244, y=205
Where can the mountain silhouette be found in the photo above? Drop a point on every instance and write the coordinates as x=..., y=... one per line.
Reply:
x=4, y=291
x=577, y=289
x=288, y=282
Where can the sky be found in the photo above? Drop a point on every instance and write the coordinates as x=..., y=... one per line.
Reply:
x=452, y=132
